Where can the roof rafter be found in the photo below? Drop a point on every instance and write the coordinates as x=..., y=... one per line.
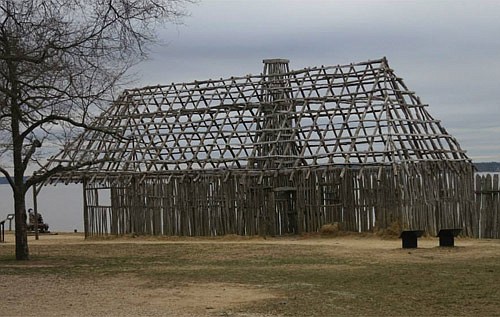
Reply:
x=357, y=114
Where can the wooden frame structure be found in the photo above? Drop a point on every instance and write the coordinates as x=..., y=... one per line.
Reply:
x=282, y=152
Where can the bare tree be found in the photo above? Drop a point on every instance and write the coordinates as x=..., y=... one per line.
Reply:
x=60, y=61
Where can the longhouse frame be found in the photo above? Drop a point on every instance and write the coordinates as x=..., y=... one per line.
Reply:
x=283, y=152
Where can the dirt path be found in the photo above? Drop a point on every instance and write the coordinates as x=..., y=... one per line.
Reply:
x=123, y=296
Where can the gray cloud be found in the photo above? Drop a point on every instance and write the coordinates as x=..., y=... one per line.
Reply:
x=446, y=51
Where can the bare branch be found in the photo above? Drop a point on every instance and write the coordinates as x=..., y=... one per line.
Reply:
x=54, y=118
x=36, y=144
x=60, y=64
x=7, y=176
x=40, y=178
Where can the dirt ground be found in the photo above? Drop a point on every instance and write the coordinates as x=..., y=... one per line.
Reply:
x=121, y=297
x=117, y=296
x=128, y=295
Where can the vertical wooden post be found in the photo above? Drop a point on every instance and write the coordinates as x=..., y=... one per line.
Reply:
x=85, y=209
x=35, y=210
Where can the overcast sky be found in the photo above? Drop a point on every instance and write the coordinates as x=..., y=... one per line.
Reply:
x=448, y=52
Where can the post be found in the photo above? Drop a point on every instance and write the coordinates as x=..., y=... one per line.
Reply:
x=35, y=210
x=85, y=209
x=2, y=231
x=10, y=217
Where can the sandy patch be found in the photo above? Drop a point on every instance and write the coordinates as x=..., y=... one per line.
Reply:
x=124, y=296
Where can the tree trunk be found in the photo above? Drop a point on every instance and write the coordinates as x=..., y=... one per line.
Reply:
x=22, y=251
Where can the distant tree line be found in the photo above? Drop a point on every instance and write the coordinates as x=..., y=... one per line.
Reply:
x=492, y=167
x=488, y=166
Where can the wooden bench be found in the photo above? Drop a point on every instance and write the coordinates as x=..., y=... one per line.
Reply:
x=409, y=238
x=447, y=236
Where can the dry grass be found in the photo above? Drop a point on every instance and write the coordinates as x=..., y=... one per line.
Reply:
x=237, y=276
x=392, y=231
x=331, y=229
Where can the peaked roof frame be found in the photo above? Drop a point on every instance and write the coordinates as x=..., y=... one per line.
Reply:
x=347, y=115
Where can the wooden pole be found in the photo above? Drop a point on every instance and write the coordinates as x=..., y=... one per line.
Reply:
x=85, y=209
x=35, y=210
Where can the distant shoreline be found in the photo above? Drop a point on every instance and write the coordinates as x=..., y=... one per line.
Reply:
x=488, y=167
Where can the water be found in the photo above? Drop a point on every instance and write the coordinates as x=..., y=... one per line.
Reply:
x=61, y=206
